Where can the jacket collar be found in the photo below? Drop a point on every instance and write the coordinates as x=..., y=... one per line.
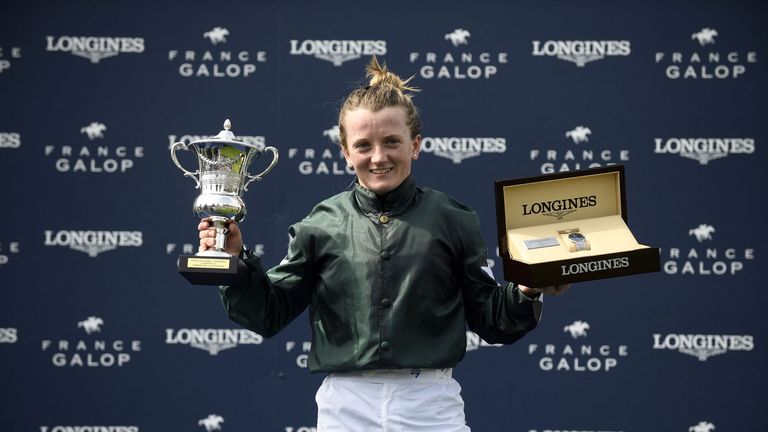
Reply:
x=393, y=202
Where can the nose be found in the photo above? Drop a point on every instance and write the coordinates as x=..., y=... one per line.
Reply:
x=379, y=154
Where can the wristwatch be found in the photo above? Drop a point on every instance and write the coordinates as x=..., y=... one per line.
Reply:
x=579, y=241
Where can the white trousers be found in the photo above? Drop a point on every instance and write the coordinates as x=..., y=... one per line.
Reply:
x=404, y=400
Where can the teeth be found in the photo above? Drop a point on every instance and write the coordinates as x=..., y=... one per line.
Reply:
x=381, y=170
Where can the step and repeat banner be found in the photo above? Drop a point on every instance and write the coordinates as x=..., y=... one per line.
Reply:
x=99, y=333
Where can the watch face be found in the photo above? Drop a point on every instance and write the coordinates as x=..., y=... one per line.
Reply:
x=576, y=237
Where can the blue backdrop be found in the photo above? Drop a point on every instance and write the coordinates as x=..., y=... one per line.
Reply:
x=99, y=333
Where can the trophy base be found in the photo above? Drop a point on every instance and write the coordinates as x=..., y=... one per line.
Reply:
x=213, y=270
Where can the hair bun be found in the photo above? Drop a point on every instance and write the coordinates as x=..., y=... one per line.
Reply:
x=380, y=75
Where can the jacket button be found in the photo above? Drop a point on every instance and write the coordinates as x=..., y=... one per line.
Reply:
x=386, y=303
x=383, y=219
x=385, y=255
x=384, y=346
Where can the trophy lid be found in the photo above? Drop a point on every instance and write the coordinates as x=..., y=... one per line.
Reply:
x=225, y=137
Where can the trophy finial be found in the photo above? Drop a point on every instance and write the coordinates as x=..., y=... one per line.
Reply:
x=227, y=124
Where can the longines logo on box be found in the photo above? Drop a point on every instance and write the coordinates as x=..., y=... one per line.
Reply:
x=459, y=148
x=93, y=242
x=703, y=346
x=704, y=150
x=95, y=157
x=338, y=51
x=556, y=160
x=581, y=52
x=326, y=160
x=595, y=266
x=91, y=353
x=94, y=48
x=8, y=249
x=212, y=340
x=6, y=55
x=559, y=208
x=10, y=140
x=578, y=358
x=89, y=428
x=453, y=61
x=216, y=62
x=701, y=62
x=704, y=259
x=9, y=335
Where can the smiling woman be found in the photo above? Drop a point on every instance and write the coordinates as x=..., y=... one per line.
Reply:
x=392, y=273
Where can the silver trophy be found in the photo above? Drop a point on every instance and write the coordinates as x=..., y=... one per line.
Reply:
x=222, y=177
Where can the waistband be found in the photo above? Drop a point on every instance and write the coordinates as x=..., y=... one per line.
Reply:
x=398, y=376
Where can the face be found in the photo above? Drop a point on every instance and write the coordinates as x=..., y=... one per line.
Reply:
x=380, y=147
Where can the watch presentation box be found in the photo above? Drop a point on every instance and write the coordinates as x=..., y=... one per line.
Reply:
x=568, y=227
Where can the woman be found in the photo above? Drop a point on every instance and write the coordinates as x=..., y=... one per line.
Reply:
x=392, y=273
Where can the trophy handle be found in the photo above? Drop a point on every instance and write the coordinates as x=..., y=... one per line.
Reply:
x=263, y=173
x=193, y=175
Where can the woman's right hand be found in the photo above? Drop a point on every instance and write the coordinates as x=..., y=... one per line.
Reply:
x=233, y=244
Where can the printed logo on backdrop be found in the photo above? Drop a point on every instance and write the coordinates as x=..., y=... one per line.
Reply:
x=7, y=57
x=337, y=51
x=578, y=352
x=584, y=151
x=89, y=428
x=461, y=56
x=302, y=348
x=93, y=242
x=705, y=255
x=9, y=335
x=8, y=250
x=326, y=159
x=573, y=429
x=94, y=48
x=702, y=426
x=10, y=140
x=211, y=423
x=93, y=152
x=212, y=340
x=703, y=346
x=581, y=52
x=475, y=342
x=216, y=53
x=191, y=249
x=704, y=150
x=256, y=140
x=709, y=55
x=456, y=149
x=89, y=349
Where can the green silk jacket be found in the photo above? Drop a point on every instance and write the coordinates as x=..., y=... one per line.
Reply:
x=391, y=282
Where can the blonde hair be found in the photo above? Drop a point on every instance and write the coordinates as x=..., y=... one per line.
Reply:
x=384, y=90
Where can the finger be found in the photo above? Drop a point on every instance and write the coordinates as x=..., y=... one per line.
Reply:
x=203, y=225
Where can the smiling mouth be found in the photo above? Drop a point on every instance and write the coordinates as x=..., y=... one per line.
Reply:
x=380, y=170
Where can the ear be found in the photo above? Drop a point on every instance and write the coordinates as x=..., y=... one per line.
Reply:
x=416, y=147
x=345, y=151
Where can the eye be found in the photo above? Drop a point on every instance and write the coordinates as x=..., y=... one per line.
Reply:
x=361, y=146
x=393, y=140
